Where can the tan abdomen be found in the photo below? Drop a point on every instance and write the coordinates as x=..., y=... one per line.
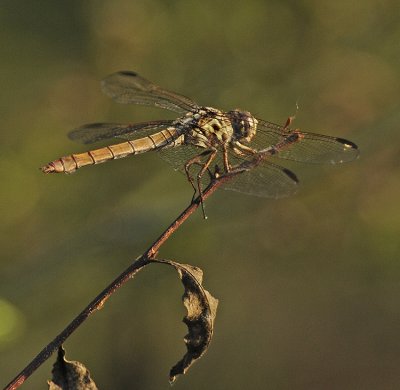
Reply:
x=73, y=162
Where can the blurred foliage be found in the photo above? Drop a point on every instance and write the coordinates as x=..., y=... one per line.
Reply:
x=308, y=286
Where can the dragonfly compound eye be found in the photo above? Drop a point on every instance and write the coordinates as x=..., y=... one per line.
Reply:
x=244, y=125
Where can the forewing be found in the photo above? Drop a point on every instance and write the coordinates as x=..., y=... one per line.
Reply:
x=128, y=87
x=94, y=132
x=309, y=147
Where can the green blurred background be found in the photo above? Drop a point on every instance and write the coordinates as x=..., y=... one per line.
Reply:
x=308, y=286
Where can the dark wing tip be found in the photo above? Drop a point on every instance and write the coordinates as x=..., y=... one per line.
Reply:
x=127, y=73
x=291, y=175
x=112, y=76
x=347, y=143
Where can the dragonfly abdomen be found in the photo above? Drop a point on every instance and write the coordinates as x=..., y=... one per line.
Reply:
x=71, y=163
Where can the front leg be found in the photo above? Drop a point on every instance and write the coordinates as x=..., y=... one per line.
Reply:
x=243, y=150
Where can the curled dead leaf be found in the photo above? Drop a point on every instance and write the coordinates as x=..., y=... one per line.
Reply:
x=201, y=311
x=70, y=375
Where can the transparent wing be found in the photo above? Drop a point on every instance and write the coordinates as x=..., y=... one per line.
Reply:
x=94, y=132
x=128, y=87
x=266, y=180
x=177, y=157
x=310, y=147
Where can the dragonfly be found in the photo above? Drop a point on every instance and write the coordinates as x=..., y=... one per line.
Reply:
x=205, y=141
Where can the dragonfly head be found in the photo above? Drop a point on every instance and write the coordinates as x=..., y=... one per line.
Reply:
x=244, y=125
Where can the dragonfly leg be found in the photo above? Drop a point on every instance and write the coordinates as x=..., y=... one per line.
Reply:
x=227, y=166
x=205, y=168
x=198, y=160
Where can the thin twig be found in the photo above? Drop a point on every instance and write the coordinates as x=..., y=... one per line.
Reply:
x=99, y=301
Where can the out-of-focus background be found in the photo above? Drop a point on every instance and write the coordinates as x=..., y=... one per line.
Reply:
x=309, y=286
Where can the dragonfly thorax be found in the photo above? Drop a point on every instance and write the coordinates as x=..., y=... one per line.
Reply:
x=211, y=129
x=215, y=128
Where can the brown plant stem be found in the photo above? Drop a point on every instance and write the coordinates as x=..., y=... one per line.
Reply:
x=98, y=302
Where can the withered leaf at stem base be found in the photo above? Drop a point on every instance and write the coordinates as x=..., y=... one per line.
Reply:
x=201, y=311
x=70, y=375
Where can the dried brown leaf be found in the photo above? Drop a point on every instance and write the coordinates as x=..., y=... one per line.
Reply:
x=201, y=311
x=70, y=375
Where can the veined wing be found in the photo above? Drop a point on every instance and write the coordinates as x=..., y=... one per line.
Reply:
x=266, y=179
x=128, y=87
x=177, y=157
x=309, y=147
x=94, y=132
